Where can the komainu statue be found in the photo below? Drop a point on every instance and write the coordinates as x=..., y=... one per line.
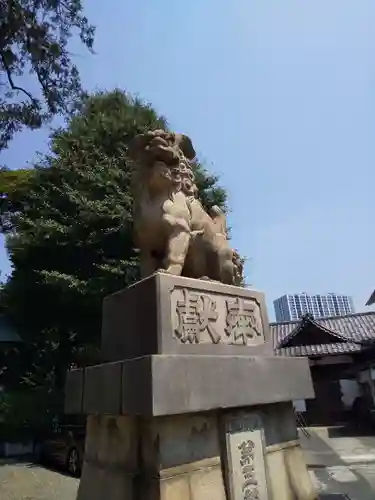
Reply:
x=172, y=230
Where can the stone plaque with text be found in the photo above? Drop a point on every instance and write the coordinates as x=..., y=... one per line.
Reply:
x=246, y=468
x=204, y=318
x=167, y=314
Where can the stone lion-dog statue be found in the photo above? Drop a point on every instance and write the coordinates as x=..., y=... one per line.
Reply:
x=172, y=230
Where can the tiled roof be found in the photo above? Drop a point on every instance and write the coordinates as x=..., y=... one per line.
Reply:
x=371, y=300
x=320, y=349
x=351, y=331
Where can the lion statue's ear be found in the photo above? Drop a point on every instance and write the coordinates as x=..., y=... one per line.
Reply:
x=186, y=146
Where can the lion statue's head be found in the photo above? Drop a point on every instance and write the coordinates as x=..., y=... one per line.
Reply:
x=163, y=161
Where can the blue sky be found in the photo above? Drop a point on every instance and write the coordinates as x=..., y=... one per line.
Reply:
x=279, y=99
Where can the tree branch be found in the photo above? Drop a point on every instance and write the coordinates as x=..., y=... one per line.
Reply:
x=11, y=82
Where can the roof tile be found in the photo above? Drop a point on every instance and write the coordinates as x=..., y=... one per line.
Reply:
x=357, y=328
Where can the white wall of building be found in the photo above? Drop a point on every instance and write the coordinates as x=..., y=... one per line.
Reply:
x=299, y=405
x=350, y=390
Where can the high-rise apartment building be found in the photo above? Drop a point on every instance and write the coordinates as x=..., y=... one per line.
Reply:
x=293, y=306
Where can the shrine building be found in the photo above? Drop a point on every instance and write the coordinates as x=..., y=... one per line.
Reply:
x=341, y=351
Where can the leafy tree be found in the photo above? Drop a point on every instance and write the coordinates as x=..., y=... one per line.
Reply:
x=14, y=185
x=69, y=234
x=26, y=413
x=34, y=37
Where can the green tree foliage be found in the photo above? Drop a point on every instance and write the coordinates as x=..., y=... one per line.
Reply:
x=14, y=185
x=69, y=233
x=25, y=413
x=34, y=37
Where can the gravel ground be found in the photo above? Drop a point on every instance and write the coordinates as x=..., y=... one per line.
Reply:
x=26, y=481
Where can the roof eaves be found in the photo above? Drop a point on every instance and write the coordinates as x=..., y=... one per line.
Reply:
x=315, y=351
x=309, y=319
x=340, y=336
x=293, y=333
x=371, y=300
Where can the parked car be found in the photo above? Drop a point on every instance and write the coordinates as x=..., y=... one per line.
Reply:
x=64, y=446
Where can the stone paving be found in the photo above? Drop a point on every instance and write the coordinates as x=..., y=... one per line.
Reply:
x=356, y=482
x=340, y=463
x=30, y=482
x=23, y=481
x=327, y=447
x=344, y=466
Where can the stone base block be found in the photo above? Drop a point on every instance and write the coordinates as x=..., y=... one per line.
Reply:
x=166, y=314
x=216, y=455
x=111, y=461
x=173, y=384
x=200, y=483
x=288, y=473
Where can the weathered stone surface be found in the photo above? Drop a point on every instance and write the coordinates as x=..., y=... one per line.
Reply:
x=207, y=484
x=289, y=478
x=246, y=466
x=263, y=438
x=104, y=483
x=166, y=314
x=102, y=389
x=191, y=403
x=176, y=457
x=180, y=444
x=279, y=423
x=278, y=479
x=174, y=488
x=130, y=325
x=206, y=318
x=182, y=457
x=298, y=474
x=199, y=484
x=111, y=459
x=201, y=383
x=168, y=385
x=172, y=229
x=103, y=435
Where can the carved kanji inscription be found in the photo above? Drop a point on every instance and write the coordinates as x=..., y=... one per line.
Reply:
x=246, y=463
x=202, y=318
x=196, y=314
x=242, y=321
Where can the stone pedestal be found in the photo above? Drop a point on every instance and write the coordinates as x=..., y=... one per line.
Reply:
x=190, y=403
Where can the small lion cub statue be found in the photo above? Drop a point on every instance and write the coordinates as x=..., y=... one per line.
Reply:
x=172, y=230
